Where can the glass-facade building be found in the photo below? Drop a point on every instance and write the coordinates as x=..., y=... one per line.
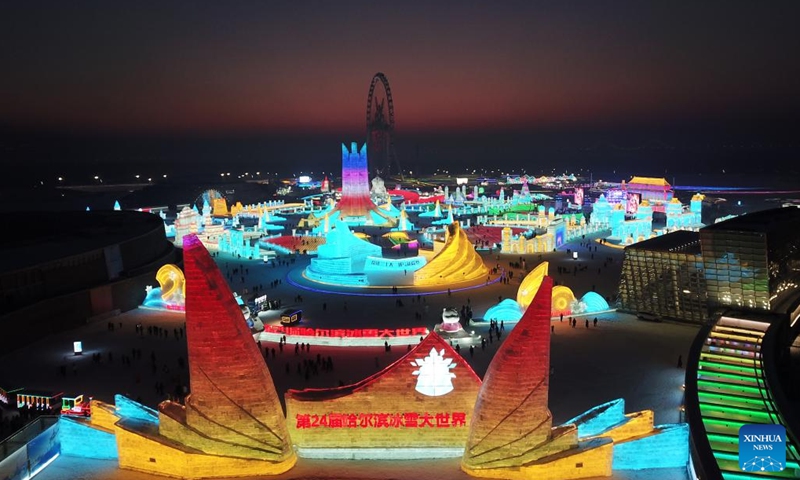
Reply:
x=663, y=277
x=752, y=261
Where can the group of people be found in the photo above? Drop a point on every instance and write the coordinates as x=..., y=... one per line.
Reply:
x=574, y=321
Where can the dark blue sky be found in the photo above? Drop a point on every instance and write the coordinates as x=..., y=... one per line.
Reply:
x=550, y=74
x=305, y=66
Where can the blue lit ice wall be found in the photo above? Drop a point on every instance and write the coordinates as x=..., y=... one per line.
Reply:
x=599, y=419
x=127, y=408
x=667, y=449
x=561, y=234
x=78, y=439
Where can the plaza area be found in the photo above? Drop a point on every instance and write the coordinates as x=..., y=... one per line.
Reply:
x=620, y=357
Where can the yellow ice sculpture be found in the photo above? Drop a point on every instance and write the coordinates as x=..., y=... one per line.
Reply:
x=456, y=262
x=220, y=207
x=173, y=287
x=530, y=285
x=562, y=300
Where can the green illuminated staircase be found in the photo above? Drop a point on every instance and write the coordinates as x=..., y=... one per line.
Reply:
x=732, y=392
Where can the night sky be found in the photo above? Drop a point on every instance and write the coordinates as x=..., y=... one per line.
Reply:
x=302, y=69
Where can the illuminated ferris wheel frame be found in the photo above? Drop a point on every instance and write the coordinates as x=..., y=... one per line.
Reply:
x=388, y=128
x=379, y=77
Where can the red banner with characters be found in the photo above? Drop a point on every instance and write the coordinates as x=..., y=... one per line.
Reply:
x=347, y=332
x=382, y=420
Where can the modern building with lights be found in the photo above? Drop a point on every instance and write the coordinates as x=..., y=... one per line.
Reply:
x=663, y=276
x=749, y=262
x=752, y=261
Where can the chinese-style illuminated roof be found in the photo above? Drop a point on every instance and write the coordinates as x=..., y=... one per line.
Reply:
x=656, y=182
x=432, y=341
x=675, y=200
x=698, y=197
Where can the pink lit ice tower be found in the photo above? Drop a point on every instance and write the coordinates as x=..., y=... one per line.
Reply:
x=355, y=200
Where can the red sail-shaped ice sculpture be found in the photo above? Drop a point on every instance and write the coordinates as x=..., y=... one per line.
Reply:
x=233, y=399
x=511, y=414
x=511, y=435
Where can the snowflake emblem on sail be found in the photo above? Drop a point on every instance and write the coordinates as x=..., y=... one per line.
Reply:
x=434, y=377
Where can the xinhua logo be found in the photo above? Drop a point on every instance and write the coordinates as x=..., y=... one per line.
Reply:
x=762, y=448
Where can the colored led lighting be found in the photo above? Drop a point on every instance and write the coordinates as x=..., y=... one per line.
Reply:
x=709, y=375
x=290, y=281
x=737, y=411
x=726, y=366
x=742, y=388
x=731, y=398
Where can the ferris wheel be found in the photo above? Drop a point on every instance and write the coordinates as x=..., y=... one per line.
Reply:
x=380, y=128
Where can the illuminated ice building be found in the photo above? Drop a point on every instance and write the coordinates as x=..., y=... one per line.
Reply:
x=356, y=206
x=680, y=219
x=186, y=223
x=612, y=216
x=236, y=243
x=347, y=258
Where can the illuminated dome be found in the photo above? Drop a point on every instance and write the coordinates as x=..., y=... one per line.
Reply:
x=698, y=197
x=506, y=311
x=674, y=200
x=594, y=302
